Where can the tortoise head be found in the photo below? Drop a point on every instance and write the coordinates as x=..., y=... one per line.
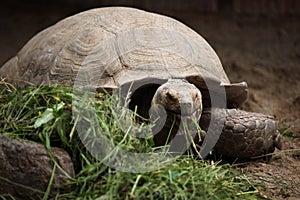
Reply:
x=175, y=101
x=179, y=97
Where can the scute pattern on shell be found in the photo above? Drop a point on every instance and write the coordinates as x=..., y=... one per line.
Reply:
x=112, y=46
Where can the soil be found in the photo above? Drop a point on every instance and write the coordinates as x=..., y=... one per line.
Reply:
x=263, y=51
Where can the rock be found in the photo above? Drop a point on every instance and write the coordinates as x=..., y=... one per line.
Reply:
x=26, y=168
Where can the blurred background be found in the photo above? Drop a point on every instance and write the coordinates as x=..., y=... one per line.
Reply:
x=258, y=41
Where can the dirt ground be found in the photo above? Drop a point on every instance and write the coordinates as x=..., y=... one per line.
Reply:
x=263, y=51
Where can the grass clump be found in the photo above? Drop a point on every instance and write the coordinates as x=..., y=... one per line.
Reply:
x=44, y=114
x=184, y=179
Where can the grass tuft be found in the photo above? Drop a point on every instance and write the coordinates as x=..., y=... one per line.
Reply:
x=44, y=114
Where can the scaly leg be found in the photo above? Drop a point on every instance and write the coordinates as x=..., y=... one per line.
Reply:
x=245, y=134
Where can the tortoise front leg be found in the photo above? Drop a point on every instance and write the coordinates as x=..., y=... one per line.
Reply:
x=245, y=134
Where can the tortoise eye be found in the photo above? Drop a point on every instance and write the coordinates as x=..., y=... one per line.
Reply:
x=196, y=95
x=170, y=96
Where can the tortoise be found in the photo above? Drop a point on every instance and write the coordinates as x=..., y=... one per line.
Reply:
x=155, y=59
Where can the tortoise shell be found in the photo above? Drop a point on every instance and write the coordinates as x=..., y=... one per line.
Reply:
x=114, y=46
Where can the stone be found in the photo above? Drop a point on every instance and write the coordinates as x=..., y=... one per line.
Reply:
x=28, y=164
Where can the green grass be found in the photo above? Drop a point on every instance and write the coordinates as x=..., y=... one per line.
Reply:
x=44, y=114
x=285, y=131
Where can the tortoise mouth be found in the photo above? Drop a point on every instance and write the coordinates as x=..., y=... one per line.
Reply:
x=183, y=124
x=196, y=114
x=178, y=125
